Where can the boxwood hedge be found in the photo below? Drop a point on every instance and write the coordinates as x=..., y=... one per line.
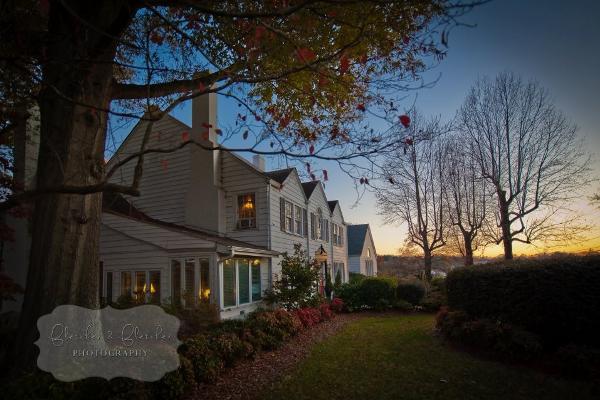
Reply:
x=558, y=299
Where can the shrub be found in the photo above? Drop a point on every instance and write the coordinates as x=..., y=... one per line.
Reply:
x=494, y=336
x=557, y=299
x=350, y=294
x=309, y=316
x=411, y=291
x=296, y=285
x=326, y=312
x=378, y=292
x=337, y=305
x=206, y=363
x=402, y=305
x=176, y=384
x=355, y=277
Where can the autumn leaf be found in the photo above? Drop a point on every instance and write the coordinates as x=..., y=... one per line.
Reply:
x=325, y=177
x=305, y=55
x=408, y=141
x=206, y=125
x=308, y=167
x=311, y=149
x=257, y=117
x=245, y=135
x=405, y=120
x=205, y=135
x=185, y=136
x=344, y=65
x=313, y=177
x=362, y=181
x=361, y=107
x=218, y=131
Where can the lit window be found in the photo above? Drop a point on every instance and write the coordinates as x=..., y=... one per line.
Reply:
x=125, y=283
x=246, y=211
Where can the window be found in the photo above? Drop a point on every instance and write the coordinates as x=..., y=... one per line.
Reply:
x=289, y=217
x=298, y=218
x=229, y=293
x=139, y=291
x=246, y=211
x=241, y=282
x=369, y=267
x=109, y=289
x=176, y=282
x=336, y=234
x=325, y=234
x=319, y=229
x=188, y=282
x=204, y=293
x=125, y=283
x=338, y=269
x=154, y=287
x=313, y=222
x=256, y=286
x=369, y=252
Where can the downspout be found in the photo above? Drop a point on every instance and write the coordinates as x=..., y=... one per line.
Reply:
x=269, y=228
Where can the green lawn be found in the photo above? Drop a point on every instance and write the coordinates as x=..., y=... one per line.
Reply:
x=398, y=357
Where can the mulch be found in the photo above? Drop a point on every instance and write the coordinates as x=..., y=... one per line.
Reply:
x=247, y=379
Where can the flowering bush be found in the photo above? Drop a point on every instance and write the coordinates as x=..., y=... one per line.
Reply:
x=337, y=305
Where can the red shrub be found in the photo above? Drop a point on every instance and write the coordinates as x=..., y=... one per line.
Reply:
x=326, y=313
x=309, y=316
x=337, y=305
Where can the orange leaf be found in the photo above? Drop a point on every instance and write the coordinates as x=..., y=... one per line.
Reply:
x=305, y=55
x=344, y=65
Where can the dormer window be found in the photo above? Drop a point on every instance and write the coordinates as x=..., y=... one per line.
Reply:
x=246, y=212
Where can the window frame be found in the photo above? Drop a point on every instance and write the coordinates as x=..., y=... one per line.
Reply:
x=253, y=221
x=236, y=275
x=197, y=279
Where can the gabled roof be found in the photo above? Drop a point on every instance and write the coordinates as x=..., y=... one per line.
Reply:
x=332, y=204
x=356, y=238
x=279, y=175
x=116, y=204
x=309, y=188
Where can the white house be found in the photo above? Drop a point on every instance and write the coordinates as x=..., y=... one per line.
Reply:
x=362, y=256
x=209, y=225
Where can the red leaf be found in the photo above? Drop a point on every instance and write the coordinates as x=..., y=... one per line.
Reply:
x=257, y=117
x=344, y=65
x=362, y=181
x=205, y=135
x=206, y=125
x=201, y=87
x=405, y=120
x=325, y=177
x=284, y=122
x=218, y=132
x=308, y=167
x=245, y=135
x=311, y=149
x=258, y=33
x=164, y=164
x=185, y=136
x=366, y=181
x=408, y=141
x=361, y=107
x=363, y=59
x=323, y=80
x=305, y=55
x=313, y=177
x=156, y=38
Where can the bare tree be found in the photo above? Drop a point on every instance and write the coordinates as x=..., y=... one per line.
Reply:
x=529, y=153
x=414, y=190
x=466, y=196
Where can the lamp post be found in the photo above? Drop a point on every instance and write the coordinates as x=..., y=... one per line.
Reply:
x=321, y=256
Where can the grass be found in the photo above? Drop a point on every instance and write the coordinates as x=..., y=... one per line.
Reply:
x=398, y=357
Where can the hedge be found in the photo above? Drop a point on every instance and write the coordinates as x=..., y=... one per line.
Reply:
x=557, y=299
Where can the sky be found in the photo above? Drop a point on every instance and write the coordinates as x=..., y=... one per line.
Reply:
x=554, y=42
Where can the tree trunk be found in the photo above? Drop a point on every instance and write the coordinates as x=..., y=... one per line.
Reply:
x=427, y=261
x=468, y=249
x=64, y=262
x=505, y=225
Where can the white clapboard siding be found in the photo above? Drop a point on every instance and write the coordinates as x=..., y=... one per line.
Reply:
x=238, y=178
x=166, y=176
x=354, y=265
x=318, y=200
x=340, y=253
x=281, y=241
x=156, y=235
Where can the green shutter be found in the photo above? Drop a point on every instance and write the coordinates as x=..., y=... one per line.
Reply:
x=244, y=280
x=229, y=283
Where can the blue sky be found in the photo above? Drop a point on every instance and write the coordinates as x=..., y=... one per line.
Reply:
x=555, y=42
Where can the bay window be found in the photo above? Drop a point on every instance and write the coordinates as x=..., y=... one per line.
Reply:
x=241, y=282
